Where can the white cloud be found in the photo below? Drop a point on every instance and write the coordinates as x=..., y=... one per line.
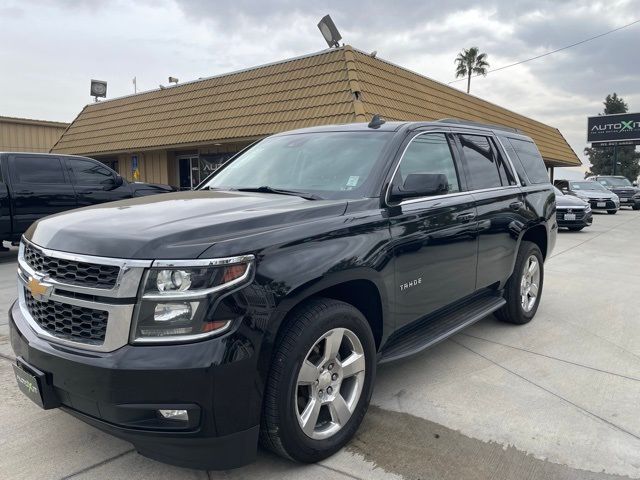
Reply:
x=55, y=48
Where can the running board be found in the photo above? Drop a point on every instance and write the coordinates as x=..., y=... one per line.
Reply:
x=437, y=327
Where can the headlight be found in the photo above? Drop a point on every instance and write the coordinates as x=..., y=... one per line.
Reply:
x=179, y=298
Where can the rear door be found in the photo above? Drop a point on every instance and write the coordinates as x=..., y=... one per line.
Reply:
x=5, y=207
x=500, y=206
x=40, y=187
x=94, y=182
x=435, y=240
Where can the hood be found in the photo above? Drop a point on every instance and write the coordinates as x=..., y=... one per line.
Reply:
x=625, y=191
x=179, y=225
x=569, y=201
x=593, y=194
x=142, y=188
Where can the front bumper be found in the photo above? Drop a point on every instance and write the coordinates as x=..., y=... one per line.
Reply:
x=608, y=205
x=583, y=219
x=629, y=202
x=119, y=392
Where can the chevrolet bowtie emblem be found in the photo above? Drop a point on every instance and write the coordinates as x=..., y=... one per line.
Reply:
x=40, y=291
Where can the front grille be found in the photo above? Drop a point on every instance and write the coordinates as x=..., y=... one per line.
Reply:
x=578, y=213
x=71, y=272
x=608, y=203
x=625, y=193
x=68, y=321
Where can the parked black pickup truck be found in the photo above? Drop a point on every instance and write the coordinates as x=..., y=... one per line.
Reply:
x=194, y=323
x=34, y=185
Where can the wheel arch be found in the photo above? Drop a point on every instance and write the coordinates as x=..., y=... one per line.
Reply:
x=538, y=235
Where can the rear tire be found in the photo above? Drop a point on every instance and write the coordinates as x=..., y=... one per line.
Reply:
x=320, y=382
x=524, y=288
x=612, y=212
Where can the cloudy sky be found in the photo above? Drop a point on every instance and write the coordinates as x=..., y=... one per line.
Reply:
x=51, y=49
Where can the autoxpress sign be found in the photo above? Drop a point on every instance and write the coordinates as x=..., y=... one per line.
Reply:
x=623, y=128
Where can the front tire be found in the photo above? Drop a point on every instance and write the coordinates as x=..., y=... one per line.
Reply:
x=320, y=382
x=524, y=287
x=636, y=206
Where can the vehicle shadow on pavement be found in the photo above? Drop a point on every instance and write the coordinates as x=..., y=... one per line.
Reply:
x=9, y=256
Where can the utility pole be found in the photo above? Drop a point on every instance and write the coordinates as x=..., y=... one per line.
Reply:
x=615, y=158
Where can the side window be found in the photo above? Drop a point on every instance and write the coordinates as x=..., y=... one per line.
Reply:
x=482, y=162
x=89, y=173
x=531, y=159
x=41, y=170
x=429, y=153
x=517, y=164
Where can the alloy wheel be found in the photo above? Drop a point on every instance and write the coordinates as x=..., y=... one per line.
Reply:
x=329, y=383
x=530, y=283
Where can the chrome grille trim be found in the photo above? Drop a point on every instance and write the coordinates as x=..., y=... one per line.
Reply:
x=67, y=271
x=119, y=316
x=126, y=285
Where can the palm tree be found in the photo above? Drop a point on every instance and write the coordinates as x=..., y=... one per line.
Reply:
x=469, y=61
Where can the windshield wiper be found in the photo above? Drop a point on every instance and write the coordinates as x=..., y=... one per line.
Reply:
x=267, y=189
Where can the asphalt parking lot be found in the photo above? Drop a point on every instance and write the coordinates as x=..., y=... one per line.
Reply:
x=557, y=398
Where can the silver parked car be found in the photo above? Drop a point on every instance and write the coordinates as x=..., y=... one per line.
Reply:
x=599, y=197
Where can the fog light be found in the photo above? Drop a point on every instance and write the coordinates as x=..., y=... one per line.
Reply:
x=181, y=415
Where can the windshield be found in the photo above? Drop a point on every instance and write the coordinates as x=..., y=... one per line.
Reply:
x=615, y=182
x=327, y=164
x=587, y=186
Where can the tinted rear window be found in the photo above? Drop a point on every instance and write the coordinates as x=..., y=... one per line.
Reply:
x=481, y=162
x=38, y=170
x=531, y=160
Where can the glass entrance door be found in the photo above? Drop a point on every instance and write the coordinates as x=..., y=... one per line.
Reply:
x=189, y=169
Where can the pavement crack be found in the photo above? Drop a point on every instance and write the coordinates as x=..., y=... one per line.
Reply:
x=8, y=358
x=551, y=357
x=592, y=238
x=341, y=472
x=566, y=400
x=99, y=464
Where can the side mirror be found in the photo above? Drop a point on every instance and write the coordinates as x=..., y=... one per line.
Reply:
x=421, y=185
x=565, y=190
x=113, y=182
x=635, y=184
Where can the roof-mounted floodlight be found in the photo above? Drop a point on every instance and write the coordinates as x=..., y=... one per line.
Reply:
x=329, y=31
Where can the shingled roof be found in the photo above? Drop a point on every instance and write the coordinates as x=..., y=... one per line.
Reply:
x=340, y=85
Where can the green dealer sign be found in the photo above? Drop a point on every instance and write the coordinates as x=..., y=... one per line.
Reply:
x=620, y=129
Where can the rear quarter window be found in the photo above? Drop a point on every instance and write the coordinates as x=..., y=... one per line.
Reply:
x=37, y=170
x=531, y=160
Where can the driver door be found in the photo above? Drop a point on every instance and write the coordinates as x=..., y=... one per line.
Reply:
x=435, y=237
x=94, y=182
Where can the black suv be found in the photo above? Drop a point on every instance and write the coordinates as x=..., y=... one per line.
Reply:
x=628, y=193
x=194, y=323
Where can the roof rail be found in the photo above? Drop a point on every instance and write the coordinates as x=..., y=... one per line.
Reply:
x=478, y=124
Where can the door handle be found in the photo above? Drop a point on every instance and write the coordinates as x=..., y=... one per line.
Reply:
x=516, y=205
x=465, y=217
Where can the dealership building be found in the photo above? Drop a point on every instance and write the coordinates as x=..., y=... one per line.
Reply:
x=28, y=135
x=179, y=134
